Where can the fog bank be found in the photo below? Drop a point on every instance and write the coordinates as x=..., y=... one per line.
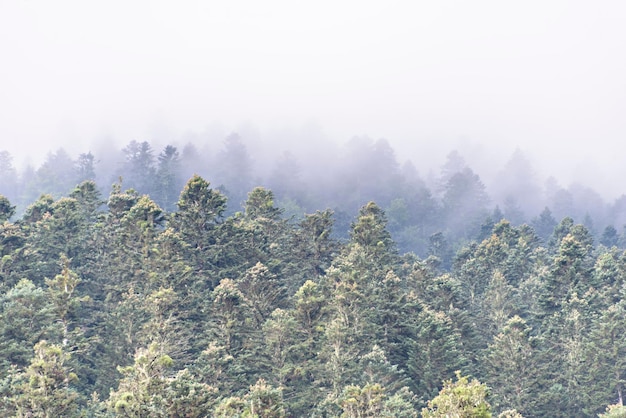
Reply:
x=484, y=77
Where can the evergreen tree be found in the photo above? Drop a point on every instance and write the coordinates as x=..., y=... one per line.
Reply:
x=314, y=245
x=605, y=351
x=27, y=316
x=6, y=210
x=85, y=167
x=138, y=168
x=168, y=178
x=263, y=291
x=544, y=224
x=372, y=400
x=262, y=401
x=435, y=353
x=370, y=233
x=511, y=368
x=200, y=212
x=610, y=237
x=44, y=389
x=462, y=398
x=149, y=389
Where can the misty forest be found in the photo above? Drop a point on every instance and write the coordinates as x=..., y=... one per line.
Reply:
x=214, y=282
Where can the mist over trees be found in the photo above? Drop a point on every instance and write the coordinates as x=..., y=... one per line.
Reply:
x=359, y=288
x=453, y=205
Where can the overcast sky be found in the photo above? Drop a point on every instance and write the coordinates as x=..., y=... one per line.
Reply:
x=546, y=76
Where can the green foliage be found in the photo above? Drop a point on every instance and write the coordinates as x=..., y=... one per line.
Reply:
x=6, y=210
x=141, y=391
x=168, y=177
x=61, y=291
x=614, y=411
x=232, y=312
x=260, y=204
x=255, y=315
x=199, y=206
x=26, y=317
x=37, y=210
x=435, y=351
x=511, y=367
x=315, y=243
x=281, y=335
x=606, y=350
x=149, y=389
x=44, y=389
x=544, y=225
x=359, y=402
x=370, y=232
x=460, y=399
x=263, y=291
x=610, y=237
x=261, y=401
x=372, y=400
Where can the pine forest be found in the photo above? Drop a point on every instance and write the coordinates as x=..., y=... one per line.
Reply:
x=191, y=285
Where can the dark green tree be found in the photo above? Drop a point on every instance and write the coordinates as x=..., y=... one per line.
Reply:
x=511, y=368
x=263, y=291
x=610, y=237
x=605, y=350
x=6, y=210
x=27, y=315
x=544, y=224
x=198, y=222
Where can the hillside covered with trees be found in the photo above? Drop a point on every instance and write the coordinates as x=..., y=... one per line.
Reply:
x=157, y=298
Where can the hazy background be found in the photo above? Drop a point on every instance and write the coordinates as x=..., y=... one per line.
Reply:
x=484, y=77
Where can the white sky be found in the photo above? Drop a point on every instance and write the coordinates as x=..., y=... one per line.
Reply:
x=489, y=76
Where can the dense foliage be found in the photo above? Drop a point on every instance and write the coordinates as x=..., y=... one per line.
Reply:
x=119, y=307
x=177, y=298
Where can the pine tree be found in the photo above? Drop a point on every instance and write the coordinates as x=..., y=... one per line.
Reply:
x=511, y=368
x=6, y=210
x=261, y=400
x=605, y=354
x=44, y=389
x=27, y=316
x=149, y=389
x=168, y=178
x=462, y=398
